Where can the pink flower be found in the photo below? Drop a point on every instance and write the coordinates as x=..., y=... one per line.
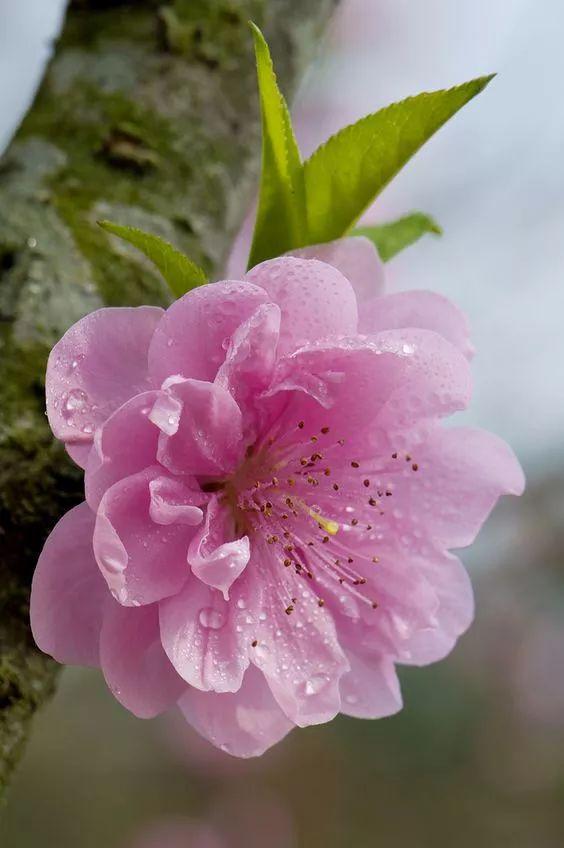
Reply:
x=270, y=496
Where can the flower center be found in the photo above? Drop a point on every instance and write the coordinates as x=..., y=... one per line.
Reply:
x=313, y=510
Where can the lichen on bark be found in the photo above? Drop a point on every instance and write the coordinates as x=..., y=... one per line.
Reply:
x=147, y=115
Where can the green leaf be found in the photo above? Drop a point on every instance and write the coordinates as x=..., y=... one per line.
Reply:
x=180, y=273
x=281, y=216
x=345, y=174
x=396, y=235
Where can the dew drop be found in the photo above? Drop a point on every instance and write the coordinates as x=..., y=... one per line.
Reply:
x=211, y=618
x=315, y=684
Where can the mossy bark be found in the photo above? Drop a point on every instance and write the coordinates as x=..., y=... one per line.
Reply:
x=148, y=115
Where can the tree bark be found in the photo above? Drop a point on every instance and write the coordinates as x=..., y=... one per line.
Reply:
x=148, y=115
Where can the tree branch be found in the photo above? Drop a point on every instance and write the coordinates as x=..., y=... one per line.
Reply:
x=147, y=116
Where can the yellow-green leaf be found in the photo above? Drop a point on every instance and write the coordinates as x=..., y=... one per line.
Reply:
x=345, y=174
x=180, y=273
x=281, y=218
x=394, y=236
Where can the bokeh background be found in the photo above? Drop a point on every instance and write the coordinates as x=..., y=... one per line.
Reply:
x=477, y=755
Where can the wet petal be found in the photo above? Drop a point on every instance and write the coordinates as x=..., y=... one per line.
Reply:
x=315, y=299
x=297, y=647
x=371, y=688
x=461, y=473
x=201, y=428
x=356, y=258
x=244, y=723
x=199, y=634
x=214, y=556
x=423, y=309
x=68, y=592
x=125, y=444
x=251, y=358
x=194, y=334
x=100, y=362
x=141, y=560
x=367, y=392
x=135, y=666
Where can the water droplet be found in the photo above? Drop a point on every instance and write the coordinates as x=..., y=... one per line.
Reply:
x=262, y=616
x=315, y=684
x=241, y=603
x=75, y=401
x=211, y=618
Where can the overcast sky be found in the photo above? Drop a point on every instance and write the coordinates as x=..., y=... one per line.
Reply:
x=494, y=178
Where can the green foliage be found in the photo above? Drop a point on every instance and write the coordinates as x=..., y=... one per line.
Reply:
x=393, y=237
x=281, y=216
x=180, y=273
x=349, y=171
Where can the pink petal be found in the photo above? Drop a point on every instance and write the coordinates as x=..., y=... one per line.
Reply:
x=68, y=592
x=100, y=362
x=453, y=617
x=79, y=453
x=461, y=474
x=193, y=336
x=142, y=561
x=251, y=357
x=356, y=258
x=135, y=666
x=369, y=392
x=244, y=723
x=214, y=559
x=201, y=428
x=125, y=444
x=199, y=634
x=371, y=688
x=316, y=301
x=172, y=502
x=423, y=309
x=298, y=651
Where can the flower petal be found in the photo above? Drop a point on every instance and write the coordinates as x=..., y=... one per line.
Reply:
x=461, y=474
x=201, y=428
x=125, y=444
x=68, y=592
x=135, y=666
x=356, y=258
x=100, y=362
x=371, y=688
x=296, y=648
x=192, y=338
x=199, y=634
x=142, y=561
x=173, y=502
x=422, y=309
x=244, y=723
x=315, y=299
x=453, y=617
x=79, y=452
x=370, y=392
x=251, y=358
x=214, y=559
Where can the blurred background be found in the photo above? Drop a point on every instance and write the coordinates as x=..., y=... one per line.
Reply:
x=477, y=755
